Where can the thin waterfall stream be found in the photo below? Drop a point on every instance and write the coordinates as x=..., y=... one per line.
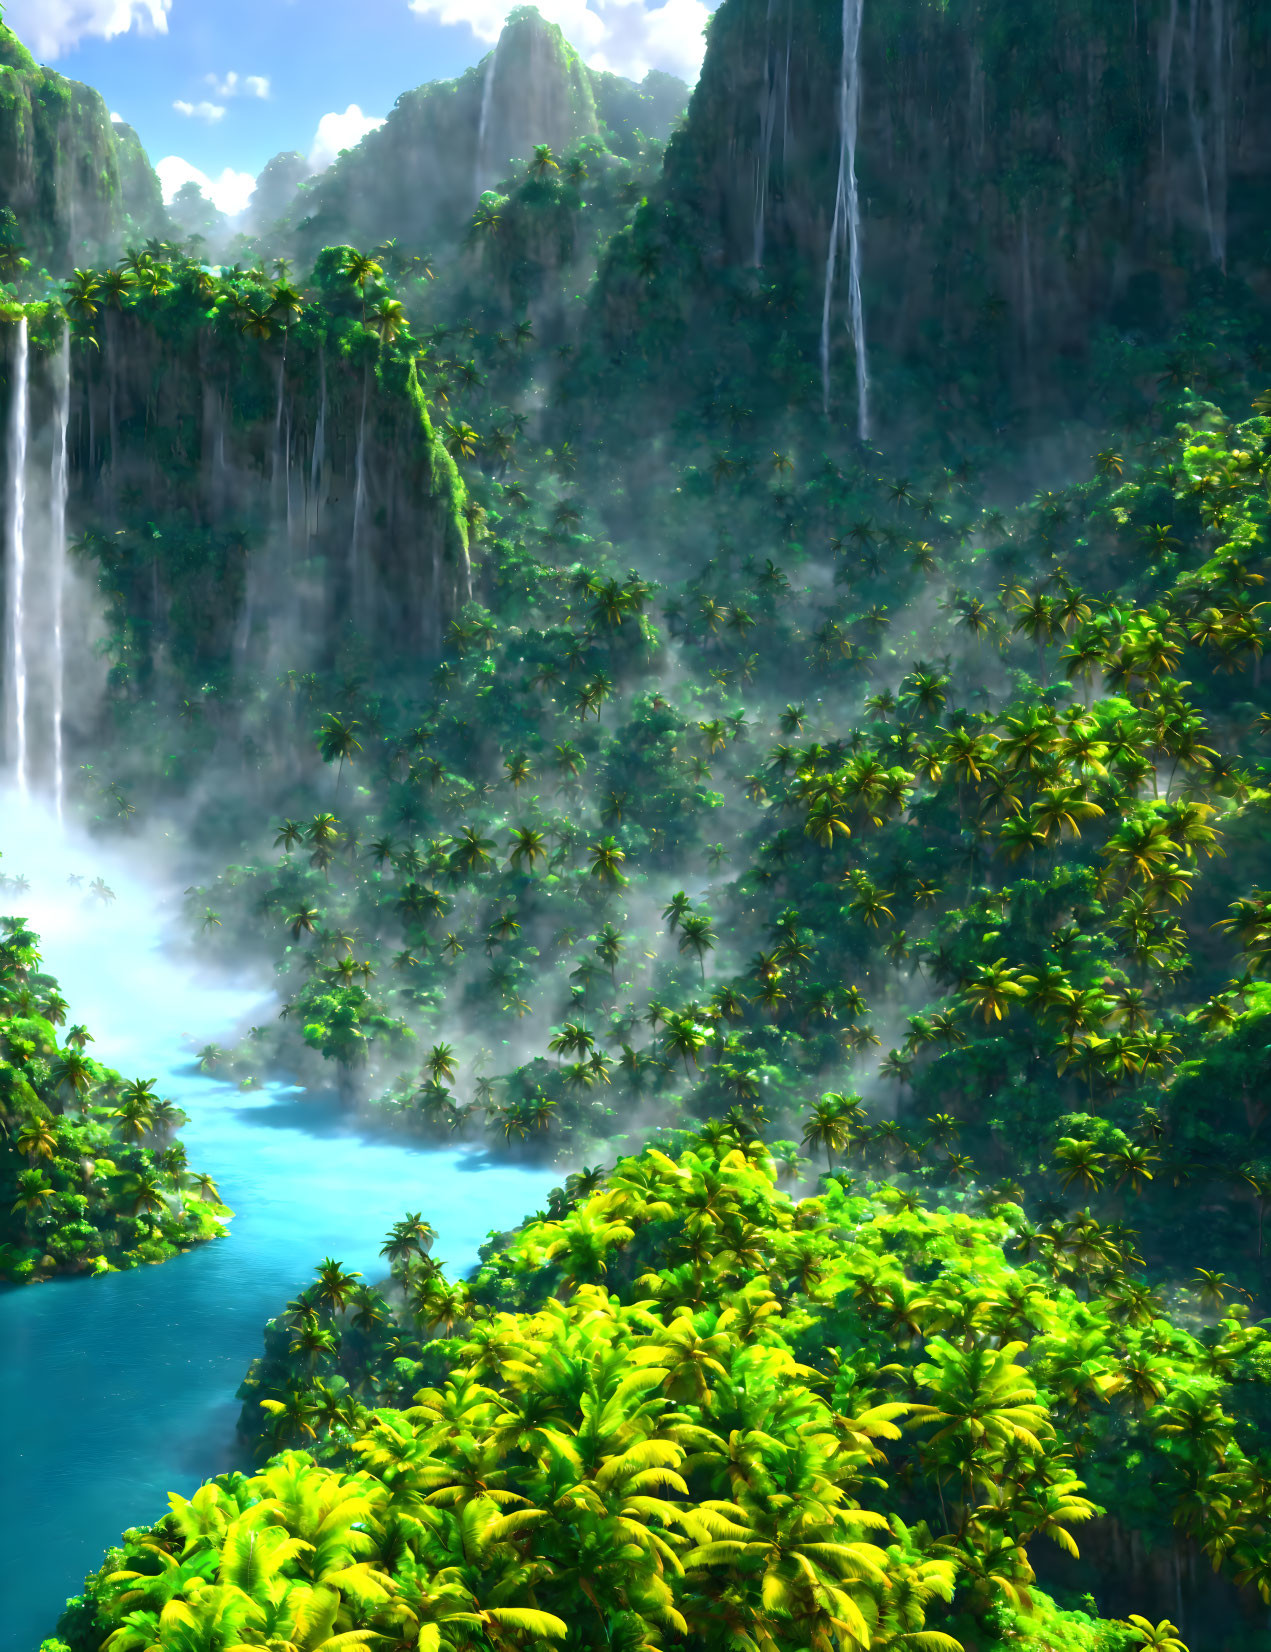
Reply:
x=15, y=567
x=483, y=123
x=58, y=493
x=845, y=228
x=125, y=1384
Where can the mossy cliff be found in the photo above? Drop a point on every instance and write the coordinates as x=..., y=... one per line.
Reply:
x=253, y=495
x=417, y=178
x=1028, y=175
x=78, y=184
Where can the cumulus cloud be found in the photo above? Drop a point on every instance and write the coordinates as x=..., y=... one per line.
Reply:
x=336, y=132
x=236, y=85
x=624, y=36
x=229, y=192
x=200, y=111
x=51, y=27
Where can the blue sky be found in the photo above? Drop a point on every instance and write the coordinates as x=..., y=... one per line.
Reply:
x=215, y=87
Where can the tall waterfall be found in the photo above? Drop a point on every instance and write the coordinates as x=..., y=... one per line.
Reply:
x=767, y=119
x=319, y=456
x=846, y=226
x=15, y=568
x=774, y=64
x=58, y=491
x=483, y=124
x=359, y=505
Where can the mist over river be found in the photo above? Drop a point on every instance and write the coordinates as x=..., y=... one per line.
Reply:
x=116, y=1390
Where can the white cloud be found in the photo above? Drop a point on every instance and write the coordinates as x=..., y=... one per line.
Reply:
x=118, y=119
x=200, y=111
x=235, y=85
x=51, y=27
x=336, y=132
x=624, y=36
x=229, y=192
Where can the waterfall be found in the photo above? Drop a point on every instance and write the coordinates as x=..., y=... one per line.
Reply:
x=15, y=571
x=59, y=489
x=846, y=225
x=483, y=124
x=319, y=439
x=1213, y=189
x=287, y=474
x=1219, y=48
x=1166, y=67
x=767, y=120
x=276, y=466
x=359, y=501
x=785, y=97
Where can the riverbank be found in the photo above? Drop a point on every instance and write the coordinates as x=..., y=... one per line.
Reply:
x=121, y=1389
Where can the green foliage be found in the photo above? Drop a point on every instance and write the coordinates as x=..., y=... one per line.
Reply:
x=682, y=1404
x=91, y=1178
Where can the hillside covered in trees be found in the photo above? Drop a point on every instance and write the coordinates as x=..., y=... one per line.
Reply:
x=729, y=661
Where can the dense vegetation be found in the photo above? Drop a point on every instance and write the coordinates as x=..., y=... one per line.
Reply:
x=76, y=184
x=92, y=1177
x=685, y=1406
x=767, y=794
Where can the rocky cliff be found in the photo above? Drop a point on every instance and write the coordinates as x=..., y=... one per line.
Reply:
x=1004, y=179
x=251, y=500
x=417, y=178
x=78, y=184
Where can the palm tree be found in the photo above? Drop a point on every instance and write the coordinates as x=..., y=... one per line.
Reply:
x=389, y=320
x=470, y=852
x=1158, y=1637
x=144, y=1196
x=606, y=861
x=528, y=844
x=304, y=918
x=461, y=440
x=361, y=270
x=285, y=303
x=991, y=987
x=73, y=1068
x=335, y=1284
x=81, y=294
x=37, y=1139
x=828, y=1127
x=135, y=1114
x=697, y=935
x=32, y=1193
x=337, y=739
x=544, y=161
x=441, y=1063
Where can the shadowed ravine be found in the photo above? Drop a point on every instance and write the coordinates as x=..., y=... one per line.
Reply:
x=118, y=1390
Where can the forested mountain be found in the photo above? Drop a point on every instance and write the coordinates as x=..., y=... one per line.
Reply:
x=754, y=646
x=417, y=178
x=75, y=185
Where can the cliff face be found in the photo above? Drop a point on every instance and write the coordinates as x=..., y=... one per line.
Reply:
x=78, y=184
x=418, y=177
x=1025, y=174
x=250, y=503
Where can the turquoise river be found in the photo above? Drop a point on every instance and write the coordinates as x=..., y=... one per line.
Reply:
x=115, y=1391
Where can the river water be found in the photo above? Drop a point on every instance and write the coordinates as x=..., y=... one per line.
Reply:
x=115, y=1391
